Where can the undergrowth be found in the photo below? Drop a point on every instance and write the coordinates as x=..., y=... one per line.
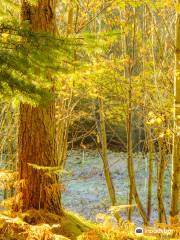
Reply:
x=41, y=225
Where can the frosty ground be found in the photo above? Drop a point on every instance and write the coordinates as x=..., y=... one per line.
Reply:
x=85, y=188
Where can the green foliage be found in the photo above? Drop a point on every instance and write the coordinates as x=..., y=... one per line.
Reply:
x=16, y=67
x=132, y=41
x=29, y=59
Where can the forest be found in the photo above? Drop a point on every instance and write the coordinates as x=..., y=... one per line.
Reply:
x=89, y=119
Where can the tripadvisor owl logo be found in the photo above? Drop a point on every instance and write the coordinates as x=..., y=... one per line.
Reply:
x=139, y=231
x=153, y=231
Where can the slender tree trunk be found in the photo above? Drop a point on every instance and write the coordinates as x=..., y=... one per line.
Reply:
x=133, y=190
x=129, y=152
x=107, y=174
x=160, y=184
x=36, y=133
x=62, y=129
x=104, y=154
x=130, y=51
x=64, y=106
x=175, y=187
x=150, y=175
x=70, y=18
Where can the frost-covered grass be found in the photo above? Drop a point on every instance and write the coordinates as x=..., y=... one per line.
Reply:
x=85, y=186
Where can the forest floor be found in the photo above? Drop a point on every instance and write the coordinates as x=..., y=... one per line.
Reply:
x=85, y=187
x=85, y=193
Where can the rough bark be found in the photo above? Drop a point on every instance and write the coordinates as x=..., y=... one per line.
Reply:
x=36, y=132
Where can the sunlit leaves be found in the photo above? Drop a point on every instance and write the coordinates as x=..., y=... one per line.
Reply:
x=115, y=209
x=177, y=7
x=9, y=9
x=48, y=169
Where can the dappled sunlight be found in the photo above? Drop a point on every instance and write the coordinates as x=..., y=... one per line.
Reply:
x=89, y=120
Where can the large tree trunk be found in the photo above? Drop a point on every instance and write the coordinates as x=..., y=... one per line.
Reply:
x=36, y=136
x=175, y=188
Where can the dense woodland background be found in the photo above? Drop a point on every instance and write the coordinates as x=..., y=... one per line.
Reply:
x=89, y=118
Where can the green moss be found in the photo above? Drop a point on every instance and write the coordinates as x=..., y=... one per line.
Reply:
x=73, y=225
x=40, y=223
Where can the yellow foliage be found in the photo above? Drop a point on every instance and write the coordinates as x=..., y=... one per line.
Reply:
x=159, y=120
x=168, y=132
x=114, y=209
x=153, y=119
x=161, y=135
x=7, y=178
x=5, y=37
